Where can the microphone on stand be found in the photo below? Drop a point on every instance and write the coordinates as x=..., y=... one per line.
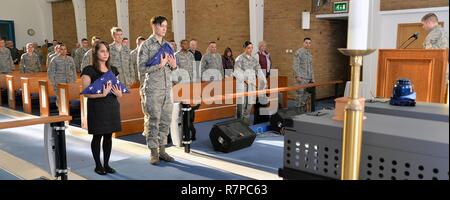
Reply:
x=414, y=35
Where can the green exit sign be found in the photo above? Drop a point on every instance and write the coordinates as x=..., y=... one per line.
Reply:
x=340, y=7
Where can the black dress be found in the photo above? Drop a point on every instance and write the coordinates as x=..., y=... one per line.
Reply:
x=103, y=114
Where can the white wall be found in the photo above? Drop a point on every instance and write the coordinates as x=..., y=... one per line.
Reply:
x=383, y=35
x=35, y=14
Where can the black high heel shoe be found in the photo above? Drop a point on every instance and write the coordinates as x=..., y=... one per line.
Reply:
x=110, y=170
x=100, y=171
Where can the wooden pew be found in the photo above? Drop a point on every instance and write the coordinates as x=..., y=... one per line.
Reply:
x=67, y=93
x=44, y=97
x=12, y=85
x=13, y=82
x=2, y=86
x=131, y=115
x=30, y=85
x=209, y=112
x=4, y=83
x=132, y=118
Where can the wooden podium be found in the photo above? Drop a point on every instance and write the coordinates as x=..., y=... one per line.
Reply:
x=425, y=68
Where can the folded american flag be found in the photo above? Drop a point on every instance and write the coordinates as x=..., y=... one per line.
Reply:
x=97, y=86
x=156, y=60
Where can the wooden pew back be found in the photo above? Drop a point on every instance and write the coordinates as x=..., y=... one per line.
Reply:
x=44, y=97
x=131, y=115
x=68, y=92
x=30, y=85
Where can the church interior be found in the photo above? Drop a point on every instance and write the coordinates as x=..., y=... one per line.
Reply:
x=335, y=90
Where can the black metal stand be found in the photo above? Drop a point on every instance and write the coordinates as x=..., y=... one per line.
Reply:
x=292, y=174
x=312, y=91
x=61, y=163
x=187, y=137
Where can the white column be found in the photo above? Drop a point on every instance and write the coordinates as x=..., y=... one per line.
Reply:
x=256, y=22
x=370, y=62
x=123, y=17
x=179, y=21
x=79, y=7
x=358, y=24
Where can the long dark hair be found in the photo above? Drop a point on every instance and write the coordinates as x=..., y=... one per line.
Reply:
x=225, y=53
x=95, y=61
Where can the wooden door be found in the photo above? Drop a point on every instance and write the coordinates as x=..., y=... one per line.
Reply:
x=404, y=31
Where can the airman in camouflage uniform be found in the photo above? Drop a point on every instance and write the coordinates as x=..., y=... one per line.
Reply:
x=79, y=54
x=61, y=69
x=87, y=57
x=134, y=58
x=246, y=69
x=211, y=64
x=120, y=57
x=6, y=62
x=185, y=61
x=52, y=55
x=437, y=38
x=156, y=91
x=29, y=61
x=38, y=51
x=303, y=72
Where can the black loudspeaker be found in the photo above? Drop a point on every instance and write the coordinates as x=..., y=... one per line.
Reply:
x=283, y=119
x=231, y=136
x=258, y=118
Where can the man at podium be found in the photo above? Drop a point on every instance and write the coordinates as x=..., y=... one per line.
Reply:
x=437, y=38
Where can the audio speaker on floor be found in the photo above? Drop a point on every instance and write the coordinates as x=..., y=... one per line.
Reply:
x=231, y=136
x=283, y=119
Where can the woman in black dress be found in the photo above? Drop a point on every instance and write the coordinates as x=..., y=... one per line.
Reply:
x=103, y=110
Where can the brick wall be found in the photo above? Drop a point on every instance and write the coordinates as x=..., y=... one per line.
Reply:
x=140, y=13
x=410, y=4
x=100, y=18
x=64, y=28
x=225, y=22
x=284, y=32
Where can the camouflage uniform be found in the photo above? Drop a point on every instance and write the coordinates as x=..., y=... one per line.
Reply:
x=156, y=95
x=73, y=52
x=247, y=68
x=185, y=61
x=78, y=57
x=6, y=62
x=61, y=70
x=50, y=57
x=30, y=64
x=133, y=65
x=303, y=68
x=436, y=39
x=183, y=74
x=87, y=59
x=213, y=62
x=51, y=50
x=121, y=60
x=38, y=51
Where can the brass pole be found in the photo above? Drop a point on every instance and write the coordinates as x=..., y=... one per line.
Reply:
x=353, y=119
